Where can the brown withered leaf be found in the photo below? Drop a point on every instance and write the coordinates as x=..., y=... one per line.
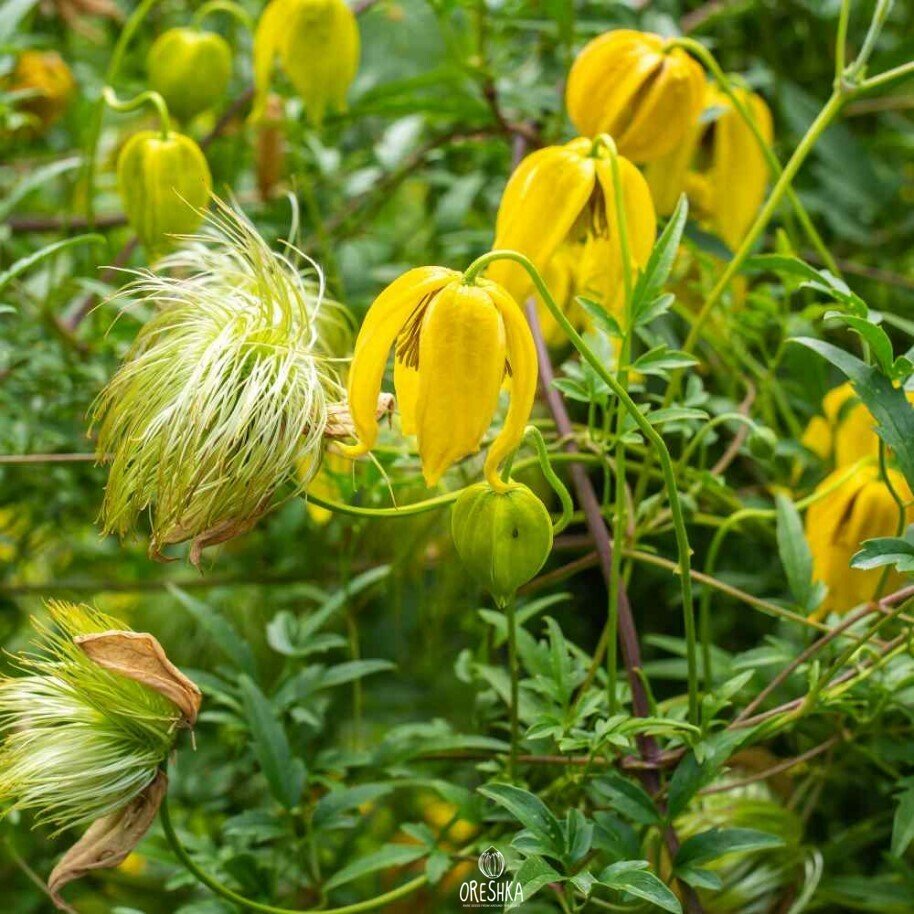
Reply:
x=339, y=420
x=139, y=656
x=109, y=840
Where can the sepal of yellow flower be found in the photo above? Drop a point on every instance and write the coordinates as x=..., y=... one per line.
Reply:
x=454, y=345
x=846, y=432
x=858, y=509
x=637, y=87
x=317, y=44
x=559, y=210
x=719, y=165
x=738, y=174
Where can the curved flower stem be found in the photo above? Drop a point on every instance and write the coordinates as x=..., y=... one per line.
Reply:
x=223, y=6
x=649, y=432
x=552, y=478
x=707, y=58
x=95, y=130
x=214, y=885
x=419, y=507
x=144, y=98
x=702, y=433
x=841, y=40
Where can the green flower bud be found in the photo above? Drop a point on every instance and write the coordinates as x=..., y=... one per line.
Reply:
x=762, y=443
x=190, y=69
x=164, y=185
x=503, y=538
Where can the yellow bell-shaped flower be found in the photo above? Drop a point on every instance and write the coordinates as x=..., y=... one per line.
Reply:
x=559, y=210
x=846, y=432
x=455, y=344
x=637, y=87
x=719, y=164
x=859, y=509
x=317, y=43
x=45, y=74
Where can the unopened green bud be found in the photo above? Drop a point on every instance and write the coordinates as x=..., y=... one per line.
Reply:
x=503, y=538
x=762, y=443
x=190, y=69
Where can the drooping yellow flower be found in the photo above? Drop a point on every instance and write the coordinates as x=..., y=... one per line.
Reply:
x=637, y=87
x=719, y=164
x=455, y=344
x=859, y=509
x=45, y=74
x=846, y=432
x=317, y=43
x=559, y=210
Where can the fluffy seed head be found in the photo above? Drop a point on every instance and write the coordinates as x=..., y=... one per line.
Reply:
x=224, y=392
x=77, y=741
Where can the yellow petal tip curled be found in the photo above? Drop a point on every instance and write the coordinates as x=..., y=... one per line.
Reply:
x=454, y=345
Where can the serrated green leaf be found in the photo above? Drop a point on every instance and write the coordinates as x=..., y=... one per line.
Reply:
x=641, y=883
x=530, y=811
x=657, y=269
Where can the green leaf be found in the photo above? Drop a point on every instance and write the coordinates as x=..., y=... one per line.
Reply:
x=533, y=875
x=661, y=359
x=628, y=799
x=12, y=12
x=632, y=877
x=353, y=669
x=337, y=802
x=718, y=842
x=903, y=824
x=285, y=774
x=875, y=337
x=700, y=767
x=26, y=263
x=530, y=811
x=601, y=317
x=886, y=550
x=659, y=265
x=888, y=404
x=390, y=855
x=783, y=266
x=794, y=551
x=218, y=629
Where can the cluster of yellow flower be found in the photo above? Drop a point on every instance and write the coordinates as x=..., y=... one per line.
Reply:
x=637, y=99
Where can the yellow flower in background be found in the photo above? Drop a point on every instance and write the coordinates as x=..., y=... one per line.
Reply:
x=317, y=43
x=859, y=509
x=559, y=210
x=719, y=164
x=637, y=87
x=846, y=432
x=45, y=74
x=454, y=346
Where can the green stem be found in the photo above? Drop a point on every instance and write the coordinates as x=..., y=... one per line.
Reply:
x=95, y=130
x=900, y=523
x=144, y=98
x=707, y=58
x=841, y=40
x=702, y=433
x=184, y=857
x=511, y=617
x=419, y=507
x=552, y=478
x=889, y=76
x=649, y=432
x=223, y=6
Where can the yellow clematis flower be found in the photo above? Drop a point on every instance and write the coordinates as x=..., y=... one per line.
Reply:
x=454, y=345
x=846, y=432
x=317, y=43
x=559, y=210
x=46, y=74
x=637, y=87
x=719, y=164
x=859, y=509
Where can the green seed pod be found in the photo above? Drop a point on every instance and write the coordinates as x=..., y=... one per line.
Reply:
x=190, y=69
x=503, y=538
x=164, y=185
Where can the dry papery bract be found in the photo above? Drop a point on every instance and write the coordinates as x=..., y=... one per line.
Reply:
x=227, y=388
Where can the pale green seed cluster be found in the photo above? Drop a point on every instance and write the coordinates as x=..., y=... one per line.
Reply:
x=224, y=392
x=78, y=742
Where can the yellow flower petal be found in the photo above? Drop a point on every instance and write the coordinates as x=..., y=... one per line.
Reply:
x=384, y=321
x=267, y=41
x=462, y=363
x=521, y=352
x=542, y=202
x=406, y=385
